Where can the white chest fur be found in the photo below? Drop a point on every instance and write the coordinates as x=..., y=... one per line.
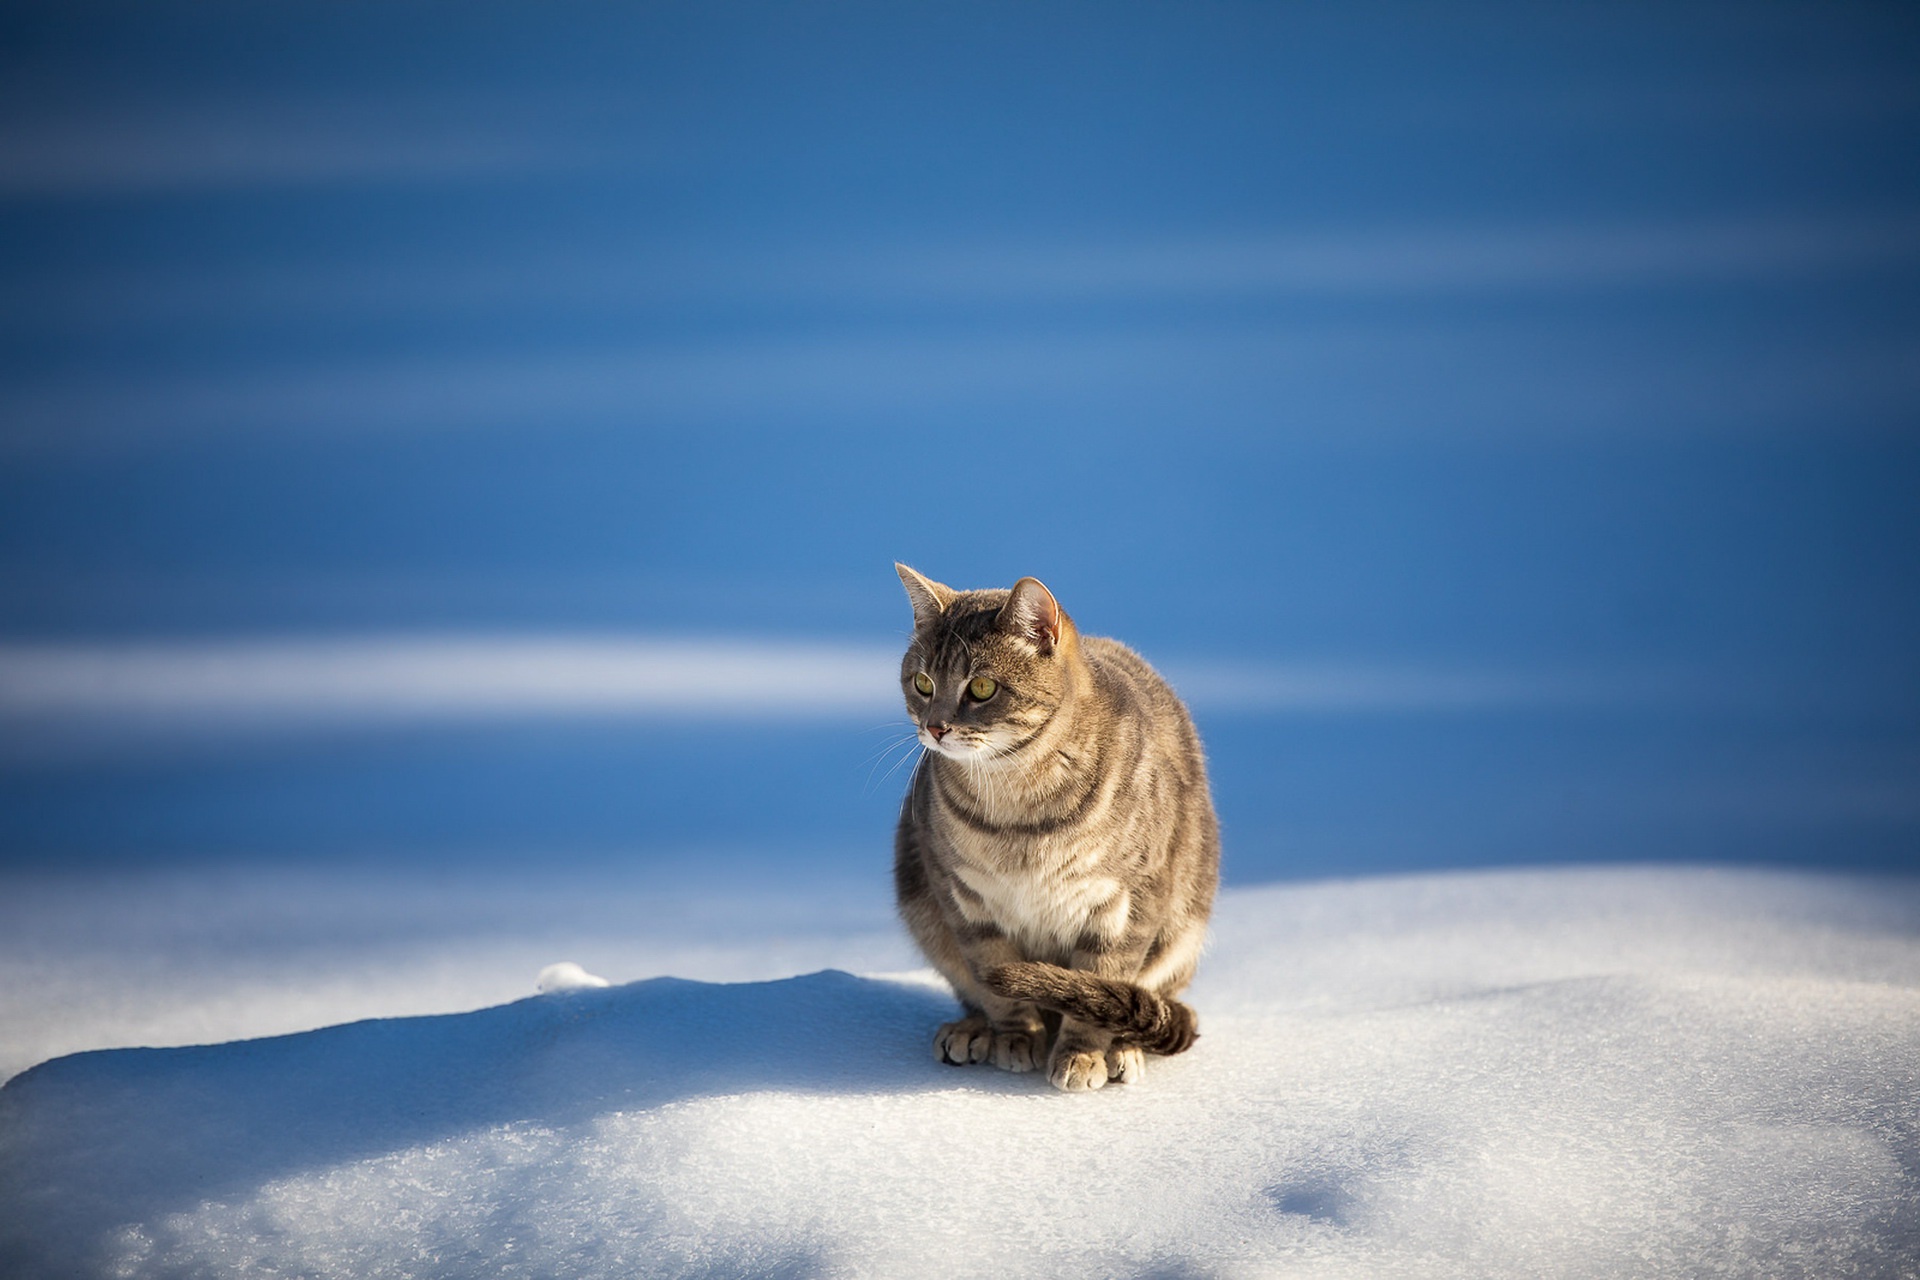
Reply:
x=1047, y=900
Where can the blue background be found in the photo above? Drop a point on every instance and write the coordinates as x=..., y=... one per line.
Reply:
x=1577, y=343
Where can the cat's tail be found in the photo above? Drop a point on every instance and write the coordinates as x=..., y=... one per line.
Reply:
x=1135, y=1015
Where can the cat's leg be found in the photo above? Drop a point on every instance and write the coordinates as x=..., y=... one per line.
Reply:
x=1166, y=967
x=1078, y=1062
x=1007, y=1033
x=1084, y=1056
x=1011, y=1037
x=992, y=1028
x=1016, y=1037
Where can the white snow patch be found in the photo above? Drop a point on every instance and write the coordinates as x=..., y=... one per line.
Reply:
x=1571, y=1072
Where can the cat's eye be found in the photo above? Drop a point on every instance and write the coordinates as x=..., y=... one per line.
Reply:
x=982, y=688
x=924, y=683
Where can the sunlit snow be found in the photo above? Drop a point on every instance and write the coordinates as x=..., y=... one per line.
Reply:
x=1568, y=1072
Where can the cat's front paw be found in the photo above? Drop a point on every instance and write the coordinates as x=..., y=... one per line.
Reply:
x=967, y=1041
x=1018, y=1050
x=974, y=1039
x=1077, y=1071
x=1126, y=1065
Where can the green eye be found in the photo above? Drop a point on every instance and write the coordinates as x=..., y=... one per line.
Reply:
x=924, y=683
x=982, y=688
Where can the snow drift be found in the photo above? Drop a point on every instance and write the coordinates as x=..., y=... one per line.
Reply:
x=1567, y=1072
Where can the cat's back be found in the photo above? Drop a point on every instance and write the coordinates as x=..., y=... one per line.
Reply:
x=1151, y=738
x=1141, y=697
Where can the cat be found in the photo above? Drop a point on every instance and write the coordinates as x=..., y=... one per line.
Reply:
x=1057, y=852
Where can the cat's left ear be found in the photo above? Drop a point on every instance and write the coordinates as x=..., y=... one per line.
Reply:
x=928, y=598
x=1032, y=613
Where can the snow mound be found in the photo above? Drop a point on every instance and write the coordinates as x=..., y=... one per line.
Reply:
x=1549, y=1073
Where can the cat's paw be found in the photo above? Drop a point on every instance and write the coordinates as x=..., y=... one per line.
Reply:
x=1126, y=1065
x=1077, y=1071
x=1018, y=1050
x=974, y=1039
x=960, y=1043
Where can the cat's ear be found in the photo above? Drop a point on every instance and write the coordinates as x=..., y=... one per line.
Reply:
x=929, y=598
x=1032, y=613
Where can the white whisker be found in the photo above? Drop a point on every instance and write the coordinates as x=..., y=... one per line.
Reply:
x=908, y=740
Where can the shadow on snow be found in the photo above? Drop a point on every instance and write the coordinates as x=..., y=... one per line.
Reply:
x=95, y=1140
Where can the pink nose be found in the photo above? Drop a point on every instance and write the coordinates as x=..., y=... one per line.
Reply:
x=938, y=731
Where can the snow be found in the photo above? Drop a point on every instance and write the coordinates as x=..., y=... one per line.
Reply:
x=1646, y=1071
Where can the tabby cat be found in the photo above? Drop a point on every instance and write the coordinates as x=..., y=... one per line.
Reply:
x=1057, y=851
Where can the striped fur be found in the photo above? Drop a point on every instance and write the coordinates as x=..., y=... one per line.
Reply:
x=1133, y=1014
x=1057, y=839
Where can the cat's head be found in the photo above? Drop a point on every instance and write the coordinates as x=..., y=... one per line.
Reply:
x=986, y=669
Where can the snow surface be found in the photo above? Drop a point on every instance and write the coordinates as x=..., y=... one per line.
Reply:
x=1629, y=1071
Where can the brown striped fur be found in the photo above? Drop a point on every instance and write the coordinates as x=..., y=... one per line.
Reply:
x=1057, y=852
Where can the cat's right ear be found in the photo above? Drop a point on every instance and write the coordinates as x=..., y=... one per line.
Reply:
x=1032, y=613
x=929, y=598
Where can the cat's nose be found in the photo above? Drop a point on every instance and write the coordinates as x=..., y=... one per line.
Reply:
x=938, y=731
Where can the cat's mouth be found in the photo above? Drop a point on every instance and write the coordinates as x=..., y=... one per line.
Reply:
x=954, y=747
